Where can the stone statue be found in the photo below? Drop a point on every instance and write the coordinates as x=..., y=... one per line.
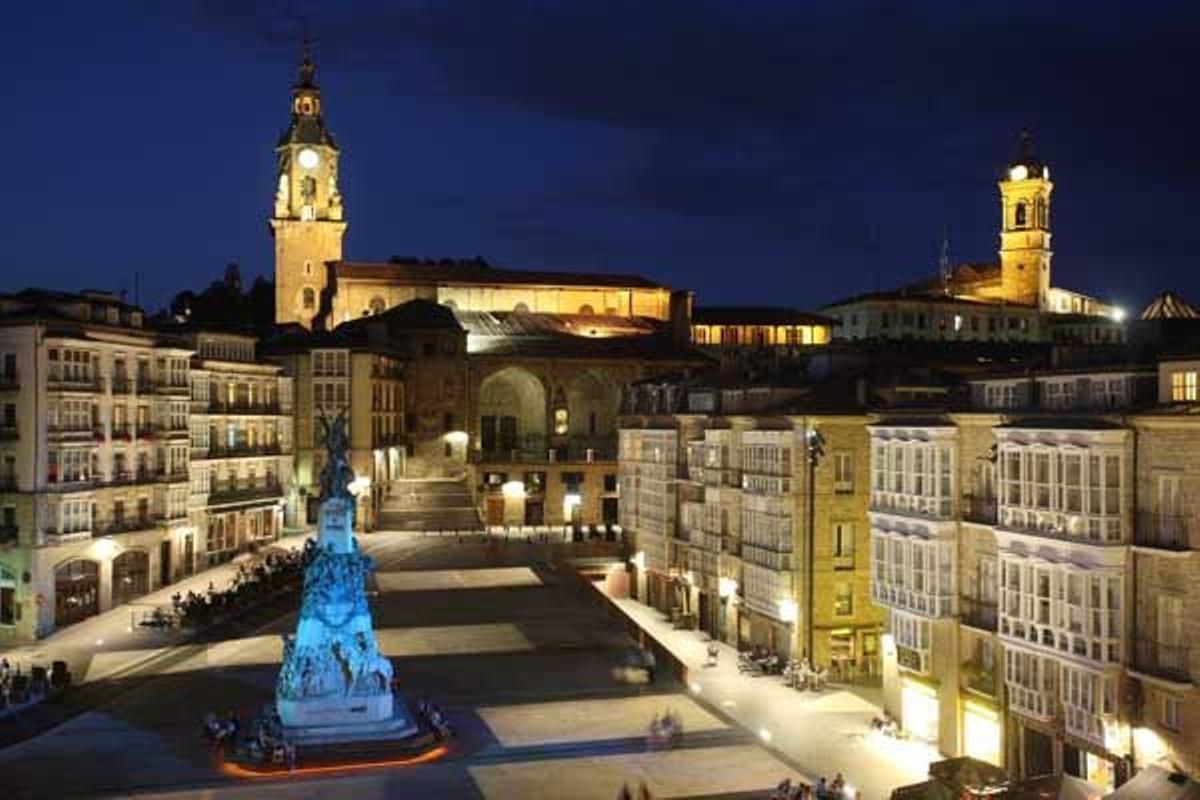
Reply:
x=334, y=684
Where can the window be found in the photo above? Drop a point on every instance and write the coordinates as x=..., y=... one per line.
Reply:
x=843, y=545
x=843, y=472
x=1021, y=215
x=843, y=600
x=610, y=483
x=310, y=299
x=1169, y=712
x=1183, y=387
x=8, y=597
x=377, y=305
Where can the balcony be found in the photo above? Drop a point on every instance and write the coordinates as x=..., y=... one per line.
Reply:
x=145, y=385
x=89, y=385
x=71, y=431
x=244, y=451
x=395, y=439
x=9, y=382
x=171, y=386
x=1164, y=531
x=175, y=476
x=221, y=493
x=8, y=483
x=122, y=433
x=123, y=478
x=243, y=408
x=9, y=433
x=979, y=614
x=537, y=450
x=1170, y=662
x=8, y=534
x=121, y=384
x=979, y=679
x=930, y=507
x=981, y=510
x=127, y=525
x=74, y=483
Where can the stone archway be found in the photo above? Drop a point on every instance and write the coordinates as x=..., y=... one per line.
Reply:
x=76, y=591
x=512, y=413
x=593, y=400
x=130, y=576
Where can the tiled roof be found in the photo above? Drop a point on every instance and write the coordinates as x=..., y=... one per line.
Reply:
x=756, y=315
x=480, y=273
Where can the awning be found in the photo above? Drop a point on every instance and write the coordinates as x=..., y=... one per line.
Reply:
x=1156, y=783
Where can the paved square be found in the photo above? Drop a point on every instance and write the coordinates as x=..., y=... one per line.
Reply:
x=690, y=772
x=443, y=579
x=591, y=720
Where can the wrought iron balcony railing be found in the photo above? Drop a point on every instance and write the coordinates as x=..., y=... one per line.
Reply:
x=1168, y=661
x=977, y=613
x=1165, y=531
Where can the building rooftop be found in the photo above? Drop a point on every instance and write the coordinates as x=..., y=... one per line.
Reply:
x=479, y=272
x=757, y=315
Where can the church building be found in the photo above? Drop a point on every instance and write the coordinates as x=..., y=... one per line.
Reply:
x=1011, y=300
x=521, y=386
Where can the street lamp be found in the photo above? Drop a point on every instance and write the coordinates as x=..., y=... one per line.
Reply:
x=814, y=445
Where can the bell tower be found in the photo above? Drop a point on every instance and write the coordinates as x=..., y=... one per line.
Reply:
x=307, y=221
x=1025, y=229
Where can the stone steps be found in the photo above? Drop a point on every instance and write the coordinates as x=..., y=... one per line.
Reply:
x=429, y=505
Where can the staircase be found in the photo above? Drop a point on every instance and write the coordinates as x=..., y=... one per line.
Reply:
x=429, y=504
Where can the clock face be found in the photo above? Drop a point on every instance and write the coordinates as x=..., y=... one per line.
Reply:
x=1017, y=173
x=308, y=158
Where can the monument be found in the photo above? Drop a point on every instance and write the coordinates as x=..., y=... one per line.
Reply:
x=335, y=685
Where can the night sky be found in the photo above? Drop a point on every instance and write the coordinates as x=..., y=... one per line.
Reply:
x=756, y=152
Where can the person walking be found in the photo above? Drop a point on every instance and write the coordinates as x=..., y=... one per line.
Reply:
x=650, y=662
x=713, y=653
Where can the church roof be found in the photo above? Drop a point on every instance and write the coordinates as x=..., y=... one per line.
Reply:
x=479, y=273
x=756, y=315
x=1169, y=305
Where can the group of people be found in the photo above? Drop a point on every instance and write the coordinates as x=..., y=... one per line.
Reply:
x=665, y=730
x=198, y=608
x=836, y=789
x=434, y=718
x=759, y=660
x=802, y=675
x=643, y=792
x=17, y=687
x=265, y=741
x=887, y=725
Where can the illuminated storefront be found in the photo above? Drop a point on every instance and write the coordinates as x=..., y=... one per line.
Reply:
x=981, y=732
x=919, y=709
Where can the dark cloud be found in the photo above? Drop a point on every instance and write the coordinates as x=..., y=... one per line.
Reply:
x=838, y=138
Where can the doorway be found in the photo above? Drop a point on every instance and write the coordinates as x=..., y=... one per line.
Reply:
x=164, y=563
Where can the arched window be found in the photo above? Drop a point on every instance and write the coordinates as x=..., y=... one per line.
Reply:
x=520, y=308
x=586, y=309
x=377, y=305
x=310, y=298
x=1020, y=216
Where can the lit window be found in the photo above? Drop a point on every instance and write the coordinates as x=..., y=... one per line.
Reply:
x=1183, y=387
x=843, y=600
x=1168, y=712
x=561, y=420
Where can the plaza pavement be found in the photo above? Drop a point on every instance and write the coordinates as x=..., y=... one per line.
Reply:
x=111, y=644
x=525, y=671
x=823, y=733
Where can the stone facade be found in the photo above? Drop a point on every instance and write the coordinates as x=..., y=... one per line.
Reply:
x=728, y=550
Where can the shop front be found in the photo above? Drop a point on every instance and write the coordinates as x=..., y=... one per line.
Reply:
x=981, y=732
x=76, y=591
x=919, y=709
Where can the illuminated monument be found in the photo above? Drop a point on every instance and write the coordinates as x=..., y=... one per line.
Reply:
x=334, y=684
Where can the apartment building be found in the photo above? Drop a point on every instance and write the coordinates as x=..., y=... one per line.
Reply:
x=242, y=493
x=357, y=370
x=717, y=499
x=1004, y=550
x=94, y=456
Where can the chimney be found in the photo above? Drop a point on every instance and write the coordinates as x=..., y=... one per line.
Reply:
x=681, y=317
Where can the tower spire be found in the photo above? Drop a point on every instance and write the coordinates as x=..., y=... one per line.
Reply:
x=945, y=270
x=308, y=69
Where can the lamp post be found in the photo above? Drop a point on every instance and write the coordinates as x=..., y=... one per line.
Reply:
x=814, y=445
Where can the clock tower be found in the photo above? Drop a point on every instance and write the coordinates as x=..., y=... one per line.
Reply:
x=1025, y=229
x=307, y=222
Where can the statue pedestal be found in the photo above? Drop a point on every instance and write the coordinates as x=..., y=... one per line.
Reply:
x=333, y=720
